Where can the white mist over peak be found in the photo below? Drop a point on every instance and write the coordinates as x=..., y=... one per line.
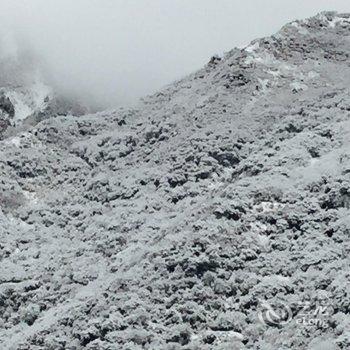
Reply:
x=27, y=92
x=8, y=46
x=108, y=53
x=21, y=80
x=28, y=100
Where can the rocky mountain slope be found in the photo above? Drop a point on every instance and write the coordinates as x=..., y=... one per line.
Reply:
x=172, y=225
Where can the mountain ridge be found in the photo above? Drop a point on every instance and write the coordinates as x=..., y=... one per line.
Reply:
x=164, y=226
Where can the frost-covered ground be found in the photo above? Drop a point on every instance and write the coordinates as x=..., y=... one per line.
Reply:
x=175, y=225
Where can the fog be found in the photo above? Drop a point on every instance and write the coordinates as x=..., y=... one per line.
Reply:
x=111, y=52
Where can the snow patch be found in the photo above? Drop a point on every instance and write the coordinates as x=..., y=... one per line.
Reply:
x=298, y=86
x=312, y=75
x=313, y=161
x=274, y=73
x=206, y=100
x=300, y=29
x=261, y=57
x=29, y=100
x=268, y=207
x=264, y=84
x=16, y=141
x=252, y=47
x=339, y=21
x=31, y=196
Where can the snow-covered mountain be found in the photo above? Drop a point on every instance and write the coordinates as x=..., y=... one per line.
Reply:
x=191, y=221
x=25, y=96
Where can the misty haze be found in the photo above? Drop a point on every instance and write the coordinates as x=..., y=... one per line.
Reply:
x=174, y=174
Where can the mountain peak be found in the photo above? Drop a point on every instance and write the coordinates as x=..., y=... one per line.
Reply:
x=215, y=215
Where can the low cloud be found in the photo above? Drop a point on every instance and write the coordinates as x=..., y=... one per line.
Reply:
x=111, y=52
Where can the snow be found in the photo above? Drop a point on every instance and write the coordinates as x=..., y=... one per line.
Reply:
x=177, y=220
x=22, y=110
x=339, y=21
x=16, y=141
x=275, y=73
x=302, y=30
x=28, y=100
x=264, y=84
x=298, y=86
x=31, y=196
x=252, y=47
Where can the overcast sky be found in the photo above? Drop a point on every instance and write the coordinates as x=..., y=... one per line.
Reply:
x=119, y=50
